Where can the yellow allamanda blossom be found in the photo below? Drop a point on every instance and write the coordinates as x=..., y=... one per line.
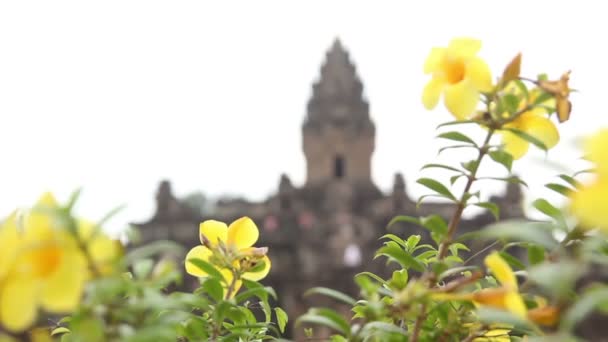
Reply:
x=459, y=74
x=41, y=265
x=494, y=335
x=507, y=296
x=589, y=203
x=533, y=122
x=230, y=248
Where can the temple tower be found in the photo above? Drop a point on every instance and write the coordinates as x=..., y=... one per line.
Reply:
x=338, y=134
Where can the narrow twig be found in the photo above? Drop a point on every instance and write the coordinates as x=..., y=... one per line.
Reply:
x=455, y=221
x=232, y=285
x=418, y=324
x=452, y=227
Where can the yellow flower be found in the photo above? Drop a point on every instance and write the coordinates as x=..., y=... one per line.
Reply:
x=43, y=268
x=230, y=249
x=589, y=203
x=595, y=148
x=459, y=74
x=507, y=296
x=42, y=264
x=494, y=335
x=103, y=250
x=534, y=123
x=590, y=206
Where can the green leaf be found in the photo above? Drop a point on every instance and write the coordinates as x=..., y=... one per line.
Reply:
x=544, y=96
x=548, y=209
x=325, y=317
x=512, y=180
x=60, y=331
x=457, y=122
x=560, y=189
x=512, y=261
x=522, y=88
x=213, y=288
x=494, y=316
x=74, y=196
x=527, y=137
x=395, y=238
x=518, y=230
x=412, y=242
x=154, y=248
x=590, y=300
x=570, y=180
x=558, y=279
x=403, y=218
x=434, y=223
x=453, y=147
x=440, y=166
x=394, y=252
x=142, y=268
x=492, y=207
x=536, y=254
x=510, y=103
x=456, y=271
x=453, y=179
x=399, y=279
x=503, y=158
x=457, y=136
x=261, y=292
x=383, y=327
x=372, y=275
x=471, y=165
x=331, y=293
x=207, y=268
x=281, y=318
x=110, y=214
x=437, y=187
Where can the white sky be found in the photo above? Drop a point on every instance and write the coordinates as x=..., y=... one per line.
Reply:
x=116, y=95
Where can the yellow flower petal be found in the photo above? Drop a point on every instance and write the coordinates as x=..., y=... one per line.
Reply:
x=47, y=200
x=9, y=244
x=62, y=290
x=590, y=206
x=464, y=47
x=432, y=92
x=595, y=147
x=478, y=72
x=461, y=99
x=198, y=252
x=434, y=60
x=515, y=304
x=501, y=270
x=18, y=303
x=103, y=250
x=213, y=231
x=539, y=127
x=243, y=233
x=514, y=145
x=255, y=276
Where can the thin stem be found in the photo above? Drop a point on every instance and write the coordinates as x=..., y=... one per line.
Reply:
x=418, y=324
x=452, y=227
x=455, y=220
x=232, y=285
x=83, y=248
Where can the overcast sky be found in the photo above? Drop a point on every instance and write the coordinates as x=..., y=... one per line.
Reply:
x=114, y=96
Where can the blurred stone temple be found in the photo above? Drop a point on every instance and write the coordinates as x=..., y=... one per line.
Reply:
x=322, y=232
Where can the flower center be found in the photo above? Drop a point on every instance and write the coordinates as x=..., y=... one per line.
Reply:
x=454, y=70
x=44, y=260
